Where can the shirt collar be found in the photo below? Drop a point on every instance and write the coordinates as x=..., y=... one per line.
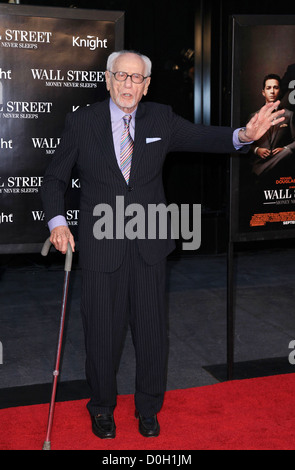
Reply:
x=117, y=114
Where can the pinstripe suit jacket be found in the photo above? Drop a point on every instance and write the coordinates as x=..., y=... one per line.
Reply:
x=88, y=143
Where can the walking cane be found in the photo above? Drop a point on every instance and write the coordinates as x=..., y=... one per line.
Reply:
x=67, y=269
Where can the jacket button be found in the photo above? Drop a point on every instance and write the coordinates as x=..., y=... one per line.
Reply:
x=130, y=188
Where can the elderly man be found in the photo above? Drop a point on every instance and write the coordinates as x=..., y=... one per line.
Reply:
x=123, y=280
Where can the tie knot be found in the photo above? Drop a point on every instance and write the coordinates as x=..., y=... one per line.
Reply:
x=127, y=119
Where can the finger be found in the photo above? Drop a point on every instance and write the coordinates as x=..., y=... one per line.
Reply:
x=277, y=117
x=276, y=104
x=267, y=109
x=54, y=241
x=276, y=151
x=270, y=107
x=64, y=246
x=65, y=241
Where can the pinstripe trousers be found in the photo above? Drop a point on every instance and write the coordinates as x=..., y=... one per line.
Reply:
x=133, y=294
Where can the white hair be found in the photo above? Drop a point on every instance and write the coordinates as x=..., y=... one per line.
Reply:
x=114, y=56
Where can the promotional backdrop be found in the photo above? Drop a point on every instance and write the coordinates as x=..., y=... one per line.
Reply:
x=52, y=61
x=262, y=205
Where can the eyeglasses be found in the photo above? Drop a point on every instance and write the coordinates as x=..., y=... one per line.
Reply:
x=122, y=77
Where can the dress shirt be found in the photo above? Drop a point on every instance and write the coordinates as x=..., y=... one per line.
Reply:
x=117, y=129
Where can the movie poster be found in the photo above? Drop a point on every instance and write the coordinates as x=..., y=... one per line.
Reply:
x=52, y=61
x=263, y=180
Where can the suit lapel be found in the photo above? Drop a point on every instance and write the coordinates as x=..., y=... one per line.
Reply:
x=102, y=128
x=141, y=131
x=281, y=131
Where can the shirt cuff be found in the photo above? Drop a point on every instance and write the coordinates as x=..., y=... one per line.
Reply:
x=236, y=141
x=56, y=221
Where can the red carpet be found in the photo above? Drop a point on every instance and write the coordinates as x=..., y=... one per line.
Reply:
x=242, y=415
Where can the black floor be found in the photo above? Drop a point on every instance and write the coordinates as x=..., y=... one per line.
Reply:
x=30, y=305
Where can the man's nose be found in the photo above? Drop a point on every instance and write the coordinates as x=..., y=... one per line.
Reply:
x=128, y=82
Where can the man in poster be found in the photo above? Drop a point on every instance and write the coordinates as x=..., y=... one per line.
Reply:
x=277, y=145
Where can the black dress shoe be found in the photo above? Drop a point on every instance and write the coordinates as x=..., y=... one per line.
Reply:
x=103, y=426
x=148, y=426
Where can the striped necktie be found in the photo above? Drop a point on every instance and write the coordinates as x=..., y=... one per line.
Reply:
x=126, y=149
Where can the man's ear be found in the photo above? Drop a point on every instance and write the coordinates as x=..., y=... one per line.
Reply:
x=147, y=83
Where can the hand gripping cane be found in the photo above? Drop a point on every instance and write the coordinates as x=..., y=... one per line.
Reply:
x=67, y=269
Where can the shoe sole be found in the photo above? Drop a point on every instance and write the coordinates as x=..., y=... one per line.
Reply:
x=103, y=436
x=156, y=434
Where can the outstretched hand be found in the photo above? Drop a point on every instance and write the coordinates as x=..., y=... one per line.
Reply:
x=262, y=121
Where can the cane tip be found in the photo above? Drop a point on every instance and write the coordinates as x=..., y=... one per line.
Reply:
x=46, y=445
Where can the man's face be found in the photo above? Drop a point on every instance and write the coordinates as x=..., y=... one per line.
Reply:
x=127, y=94
x=271, y=91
